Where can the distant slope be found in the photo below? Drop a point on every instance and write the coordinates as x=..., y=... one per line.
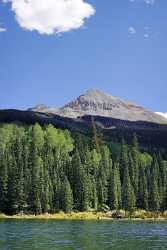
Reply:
x=149, y=134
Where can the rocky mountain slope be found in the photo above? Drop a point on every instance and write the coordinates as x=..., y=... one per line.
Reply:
x=97, y=103
x=114, y=118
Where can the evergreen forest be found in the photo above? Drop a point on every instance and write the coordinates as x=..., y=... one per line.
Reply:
x=46, y=170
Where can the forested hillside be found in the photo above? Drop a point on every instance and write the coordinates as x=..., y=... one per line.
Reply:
x=43, y=169
x=150, y=135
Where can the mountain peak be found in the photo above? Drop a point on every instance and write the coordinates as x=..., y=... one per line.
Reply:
x=94, y=97
x=95, y=92
x=95, y=102
x=98, y=103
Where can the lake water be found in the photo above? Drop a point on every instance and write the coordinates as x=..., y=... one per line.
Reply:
x=82, y=235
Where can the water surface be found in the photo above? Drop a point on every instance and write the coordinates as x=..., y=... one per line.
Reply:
x=82, y=235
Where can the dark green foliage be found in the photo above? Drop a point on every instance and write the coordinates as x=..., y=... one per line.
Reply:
x=66, y=196
x=128, y=196
x=3, y=181
x=44, y=170
x=135, y=166
x=114, y=189
x=124, y=161
x=143, y=197
x=162, y=181
x=155, y=198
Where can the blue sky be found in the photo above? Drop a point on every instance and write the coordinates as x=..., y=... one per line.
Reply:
x=121, y=48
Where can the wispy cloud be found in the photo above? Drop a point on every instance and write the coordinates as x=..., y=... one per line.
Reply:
x=148, y=2
x=2, y=29
x=132, y=30
x=50, y=16
x=146, y=32
x=146, y=36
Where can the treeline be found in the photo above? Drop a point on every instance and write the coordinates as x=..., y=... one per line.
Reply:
x=46, y=170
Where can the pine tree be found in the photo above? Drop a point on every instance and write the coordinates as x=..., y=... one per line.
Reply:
x=84, y=191
x=128, y=196
x=154, y=192
x=143, y=189
x=80, y=184
x=47, y=194
x=3, y=181
x=162, y=181
x=135, y=157
x=131, y=169
x=97, y=137
x=114, y=189
x=35, y=201
x=12, y=204
x=36, y=166
x=101, y=192
x=67, y=196
x=57, y=194
x=94, y=197
x=118, y=180
x=123, y=164
x=20, y=192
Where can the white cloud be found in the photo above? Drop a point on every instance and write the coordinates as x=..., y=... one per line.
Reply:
x=162, y=114
x=132, y=30
x=2, y=29
x=51, y=16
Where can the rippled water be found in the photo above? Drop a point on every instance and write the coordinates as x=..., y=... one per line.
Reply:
x=82, y=235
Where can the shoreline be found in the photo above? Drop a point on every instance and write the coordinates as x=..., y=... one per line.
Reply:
x=82, y=216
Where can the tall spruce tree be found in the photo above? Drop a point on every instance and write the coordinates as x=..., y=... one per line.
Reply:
x=37, y=144
x=162, y=181
x=128, y=196
x=143, y=196
x=124, y=161
x=154, y=191
x=80, y=184
x=3, y=181
x=114, y=189
x=135, y=157
x=67, y=196
x=105, y=168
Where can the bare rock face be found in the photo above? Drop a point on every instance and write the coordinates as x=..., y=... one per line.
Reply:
x=97, y=103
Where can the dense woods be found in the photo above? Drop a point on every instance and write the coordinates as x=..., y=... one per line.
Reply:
x=47, y=170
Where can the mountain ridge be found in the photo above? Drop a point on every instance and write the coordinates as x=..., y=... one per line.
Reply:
x=97, y=103
x=149, y=134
